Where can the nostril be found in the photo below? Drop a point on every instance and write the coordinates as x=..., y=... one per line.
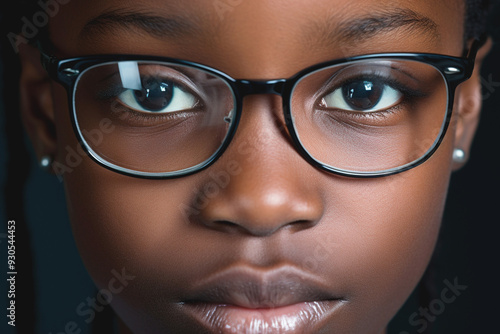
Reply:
x=258, y=230
x=224, y=226
x=300, y=225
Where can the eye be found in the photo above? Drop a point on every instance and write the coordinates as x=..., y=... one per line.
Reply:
x=363, y=95
x=158, y=96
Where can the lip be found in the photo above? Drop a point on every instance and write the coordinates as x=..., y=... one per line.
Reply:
x=246, y=300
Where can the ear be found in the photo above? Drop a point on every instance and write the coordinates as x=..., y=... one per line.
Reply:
x=469, y=103
x=36, y=103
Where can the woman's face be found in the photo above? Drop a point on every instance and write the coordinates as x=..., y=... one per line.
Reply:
x=260, y=239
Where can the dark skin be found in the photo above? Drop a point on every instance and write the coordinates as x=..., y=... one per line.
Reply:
x=367, y=241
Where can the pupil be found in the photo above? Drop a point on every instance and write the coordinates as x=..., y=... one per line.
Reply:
x=155, y=95
x=362, y=95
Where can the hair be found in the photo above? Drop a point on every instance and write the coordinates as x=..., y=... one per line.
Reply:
x=476, y=14
x=475, y=25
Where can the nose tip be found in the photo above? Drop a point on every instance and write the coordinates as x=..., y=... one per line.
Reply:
x=261, y=215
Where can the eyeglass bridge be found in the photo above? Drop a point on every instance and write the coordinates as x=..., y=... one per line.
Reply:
x=249, y=87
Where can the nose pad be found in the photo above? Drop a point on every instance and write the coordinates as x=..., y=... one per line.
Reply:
x=264, y=189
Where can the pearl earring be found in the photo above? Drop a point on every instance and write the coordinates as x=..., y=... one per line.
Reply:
x=45, y=162
x=459, y=156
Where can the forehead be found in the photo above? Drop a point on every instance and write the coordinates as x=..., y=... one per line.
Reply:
x=258, y=29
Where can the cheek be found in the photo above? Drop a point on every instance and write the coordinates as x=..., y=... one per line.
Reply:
x=383, y=235
x=132, y=227
x=137, y=227
x=122, y=222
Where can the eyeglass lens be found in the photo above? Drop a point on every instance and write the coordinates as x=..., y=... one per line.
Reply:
x=372, y=115
x=164, y=117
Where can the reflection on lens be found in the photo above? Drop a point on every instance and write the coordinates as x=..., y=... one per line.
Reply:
x=165, y=117
x=372, y=115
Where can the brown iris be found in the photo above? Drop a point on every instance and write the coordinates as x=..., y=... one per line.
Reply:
x=155, y=94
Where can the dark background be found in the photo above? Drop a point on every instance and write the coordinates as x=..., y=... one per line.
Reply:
x=52, y=281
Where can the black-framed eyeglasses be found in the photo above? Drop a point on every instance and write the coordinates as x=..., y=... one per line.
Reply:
x=364, y=116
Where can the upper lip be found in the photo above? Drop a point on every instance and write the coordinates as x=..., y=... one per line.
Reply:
x=253, y=288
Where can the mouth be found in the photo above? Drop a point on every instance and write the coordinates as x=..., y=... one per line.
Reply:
x=244, y=300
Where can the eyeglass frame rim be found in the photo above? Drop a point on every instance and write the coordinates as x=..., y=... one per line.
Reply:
x=68, y=71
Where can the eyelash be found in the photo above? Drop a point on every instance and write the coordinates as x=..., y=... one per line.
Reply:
x=408, y=93
x=394, y=84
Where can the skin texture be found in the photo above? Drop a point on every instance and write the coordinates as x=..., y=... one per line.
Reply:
x=368, y=240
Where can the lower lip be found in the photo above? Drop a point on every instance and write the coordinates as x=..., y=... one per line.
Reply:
x=296, y=318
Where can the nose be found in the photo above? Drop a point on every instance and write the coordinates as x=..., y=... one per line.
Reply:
x=268, y=187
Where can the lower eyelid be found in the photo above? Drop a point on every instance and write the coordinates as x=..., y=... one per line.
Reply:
x=362, y=120
x=133, y=117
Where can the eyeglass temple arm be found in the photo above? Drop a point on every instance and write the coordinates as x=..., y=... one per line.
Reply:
x=477, y=43
x=470, y=55
x=49, y=63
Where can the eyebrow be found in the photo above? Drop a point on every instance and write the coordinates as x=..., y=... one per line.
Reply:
x=383, y=21
x=155, y=25
x=334, y=31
